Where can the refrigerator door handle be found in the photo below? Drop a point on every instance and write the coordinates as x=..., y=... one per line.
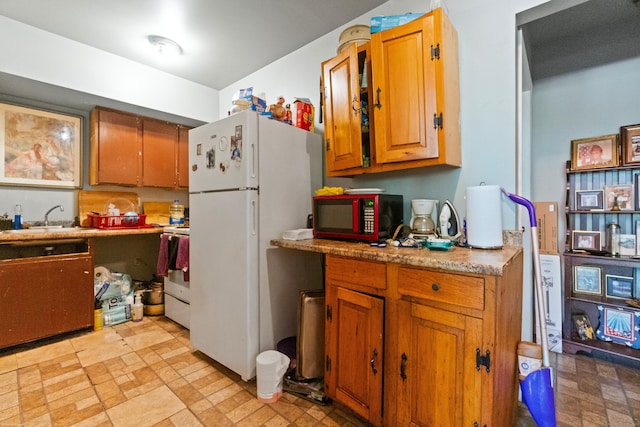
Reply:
x=254, y=158
x=254, y=218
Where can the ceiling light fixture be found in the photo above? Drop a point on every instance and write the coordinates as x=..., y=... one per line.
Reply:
x=165, y=46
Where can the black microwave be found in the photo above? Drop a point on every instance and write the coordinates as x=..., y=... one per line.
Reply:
x=363, y=217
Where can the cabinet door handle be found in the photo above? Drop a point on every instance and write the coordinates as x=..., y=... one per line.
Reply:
x=435, y=287
x=403, y=366
x=377, y=104
x=374, y=356
x=354, y=105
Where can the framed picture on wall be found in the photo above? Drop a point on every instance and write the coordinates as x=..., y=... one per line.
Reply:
x=630, y=142
x=594, y=153
x=40, y=148
x=589, y=200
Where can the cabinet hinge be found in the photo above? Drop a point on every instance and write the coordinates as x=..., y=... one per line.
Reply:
x=435, y=52
x=328, y=364
x=437, y=121
x=328, y=146
x=483, y=360
x=329, y=313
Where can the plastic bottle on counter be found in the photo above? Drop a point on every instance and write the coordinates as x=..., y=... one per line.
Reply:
x=17, y=217
x=176, y=213
x=138, y=308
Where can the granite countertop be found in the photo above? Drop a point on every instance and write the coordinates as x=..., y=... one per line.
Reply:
x=465, y=260
x=9, y=236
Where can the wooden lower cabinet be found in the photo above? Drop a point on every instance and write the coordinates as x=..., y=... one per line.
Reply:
x=439, y=383
x=411, y=346
x=355, y=343
x=43, y=296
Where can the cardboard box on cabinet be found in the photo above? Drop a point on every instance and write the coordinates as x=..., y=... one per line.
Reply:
x=547, y=218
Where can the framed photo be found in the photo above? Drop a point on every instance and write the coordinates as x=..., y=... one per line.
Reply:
x=628, y=244
x=620, y=196
x=589, y=200
x=620, y=287
x=594, y=153
x=40, y=148
x=586, y=280
x=636, y=283
x=630, y=142
x=586, y=240
x=619, y=325
x=583, y=327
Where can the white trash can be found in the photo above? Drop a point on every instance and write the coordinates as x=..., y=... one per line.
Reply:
x=271, y=365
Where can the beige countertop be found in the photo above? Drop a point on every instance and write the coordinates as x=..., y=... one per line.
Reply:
x=466, y=260
x=9, y=236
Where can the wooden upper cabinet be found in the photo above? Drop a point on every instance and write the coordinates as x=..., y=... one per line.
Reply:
x=159, y=153
x=137, y=151
x=115, y=149
x=343, y=141
x=411, y=83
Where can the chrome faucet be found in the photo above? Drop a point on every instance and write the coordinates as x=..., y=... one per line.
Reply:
x=46, y=216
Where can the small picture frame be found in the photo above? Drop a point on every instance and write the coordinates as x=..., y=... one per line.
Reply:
x=620, y=287
x=586, y=280
x=589, y=200
x=619, y=326
x=594, y=153
x=628, y=244
x=583, y=327
x=636, y=283
x=586, y=240
x=619, y=197
x=630, y=142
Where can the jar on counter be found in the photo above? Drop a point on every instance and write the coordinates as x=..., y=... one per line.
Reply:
x=612, y=238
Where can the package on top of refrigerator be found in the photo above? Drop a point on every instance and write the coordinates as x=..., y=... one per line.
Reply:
x=244, y=99
x=303, y=112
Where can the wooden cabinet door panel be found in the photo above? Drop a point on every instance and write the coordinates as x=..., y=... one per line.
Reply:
x=343, y=140
x=404, y=83
x=354, y=348
x=438, y=381
x=117, y=143
x=159, y=165
x=183, y=157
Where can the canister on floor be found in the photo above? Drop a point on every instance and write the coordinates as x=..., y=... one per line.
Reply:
x=271, y=366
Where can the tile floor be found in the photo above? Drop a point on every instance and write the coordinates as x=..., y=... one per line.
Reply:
x=147, y=374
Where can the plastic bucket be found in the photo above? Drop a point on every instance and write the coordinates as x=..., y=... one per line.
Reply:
x=271, y=366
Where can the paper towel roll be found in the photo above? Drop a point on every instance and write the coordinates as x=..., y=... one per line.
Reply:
x=484, y=217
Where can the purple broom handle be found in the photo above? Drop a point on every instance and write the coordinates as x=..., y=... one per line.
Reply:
x=524, y=202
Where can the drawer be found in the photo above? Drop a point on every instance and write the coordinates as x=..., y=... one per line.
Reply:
x=455, y=289
x=358, y=272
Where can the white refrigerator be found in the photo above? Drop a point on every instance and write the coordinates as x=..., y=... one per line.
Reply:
x=251, y=178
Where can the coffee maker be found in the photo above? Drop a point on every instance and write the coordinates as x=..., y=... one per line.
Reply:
x=422, y=224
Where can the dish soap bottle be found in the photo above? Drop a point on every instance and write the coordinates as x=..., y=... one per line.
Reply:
x=176, y=213
x=17, y=217
x=138, y=308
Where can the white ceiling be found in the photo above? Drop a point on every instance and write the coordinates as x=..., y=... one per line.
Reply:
x=222, y=40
